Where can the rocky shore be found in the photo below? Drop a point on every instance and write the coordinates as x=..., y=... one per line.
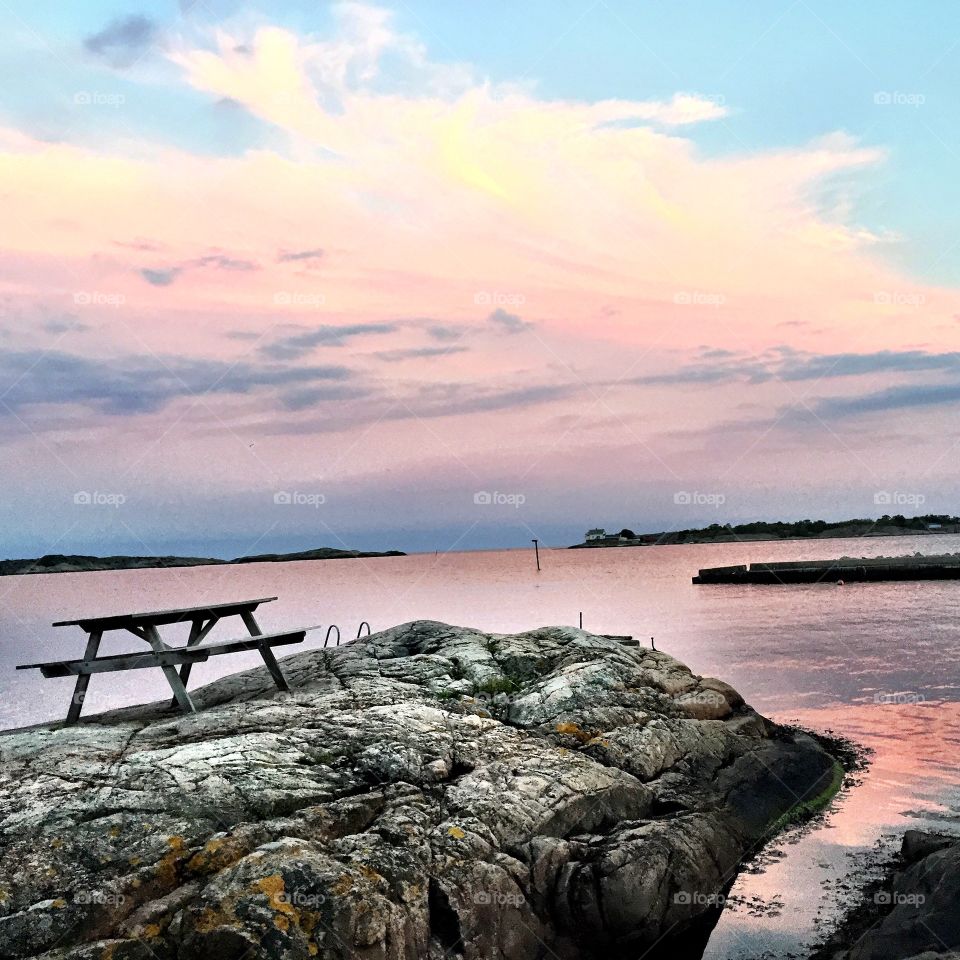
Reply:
x=912, y=912
x=430, y=791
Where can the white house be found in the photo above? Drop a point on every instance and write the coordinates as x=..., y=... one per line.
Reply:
x=598, y=533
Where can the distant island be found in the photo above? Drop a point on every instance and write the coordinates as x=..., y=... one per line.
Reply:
x=885, y=526
x=69, y=563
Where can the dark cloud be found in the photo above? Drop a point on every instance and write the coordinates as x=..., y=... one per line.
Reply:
x=431, y=402
x=786, y=364
x=508, y=322
x=159, y=277
x=291, y=256
x=892, y=399
x=305, y=397
x=221, y=262
x=124, y=40
x=297, y=345
x=164, y=276
x=445, y=333
x=141, y=384
x=413, y=353
x=60, y=325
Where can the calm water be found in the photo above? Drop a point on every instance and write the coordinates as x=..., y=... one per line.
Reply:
x=875, y=662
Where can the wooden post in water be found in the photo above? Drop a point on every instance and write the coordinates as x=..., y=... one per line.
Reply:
x=536, y=547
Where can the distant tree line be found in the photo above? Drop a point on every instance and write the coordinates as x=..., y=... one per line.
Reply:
x=812, y=528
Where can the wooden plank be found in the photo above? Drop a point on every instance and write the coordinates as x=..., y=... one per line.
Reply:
x=266, y=653
x=173, y=678
x=198, y=630
x=170, y=655
x=83, y=680
x=159, y=617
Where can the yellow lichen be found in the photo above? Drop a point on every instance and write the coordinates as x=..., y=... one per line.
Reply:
x=573, y=730
x=456, y=833
x=151, y=930
x=343, y=885
x=56, y=843
x=59, y=903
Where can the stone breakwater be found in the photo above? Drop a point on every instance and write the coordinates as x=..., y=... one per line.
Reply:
x=432, y=791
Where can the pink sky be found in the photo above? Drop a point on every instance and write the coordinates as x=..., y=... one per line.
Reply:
x=401, y=298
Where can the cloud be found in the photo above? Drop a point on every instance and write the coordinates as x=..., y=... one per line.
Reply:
x=124, y=40
x=891, y=399
x=60, y=325
x=416, y=353
x=297, y=345
x=444, y=333
x=291, y=256
x=160, y=277
x=165, y=276
x=782, y=363
x=508, y=322
x=129, y=385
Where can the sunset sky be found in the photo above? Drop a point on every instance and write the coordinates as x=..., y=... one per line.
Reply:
x=287, y=275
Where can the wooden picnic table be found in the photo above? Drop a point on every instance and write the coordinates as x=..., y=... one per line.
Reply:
x=144, y=624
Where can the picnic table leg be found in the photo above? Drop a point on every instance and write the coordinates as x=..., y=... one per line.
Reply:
x=197, y=632
x=173, y=678
x=83, y=681
x=268, y=658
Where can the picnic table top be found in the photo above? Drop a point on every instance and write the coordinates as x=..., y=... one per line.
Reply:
x=158, y=617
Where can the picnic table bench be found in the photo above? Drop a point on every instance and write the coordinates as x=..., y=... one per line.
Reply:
x=144, y=626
